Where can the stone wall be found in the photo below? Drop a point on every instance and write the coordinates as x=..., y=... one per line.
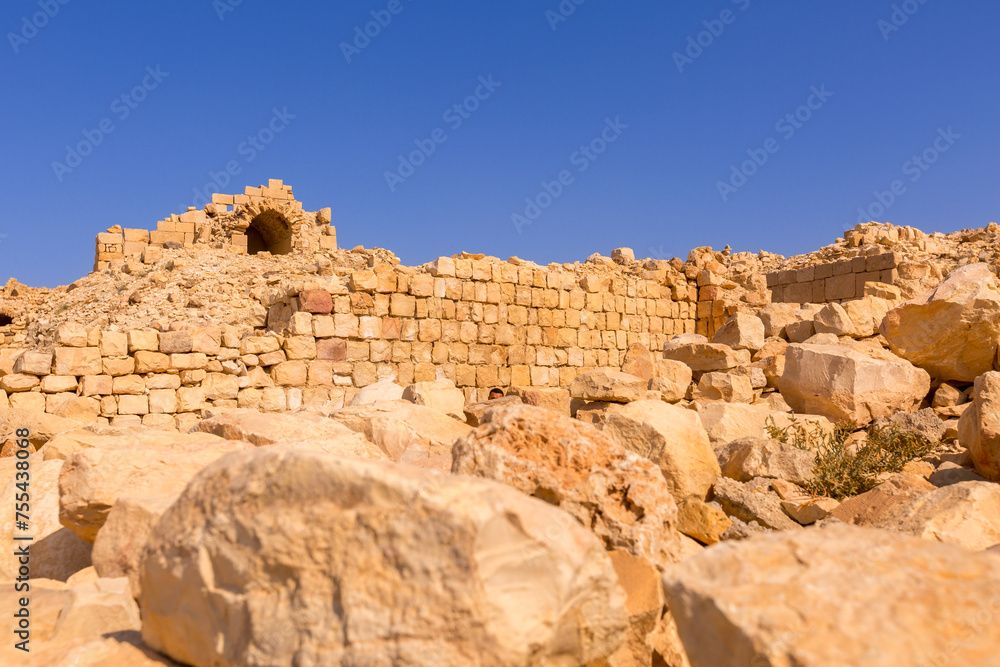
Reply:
x=269, y=215
x=482, y=323
x=835, y=281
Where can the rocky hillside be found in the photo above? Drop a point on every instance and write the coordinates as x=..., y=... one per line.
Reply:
x=298, y=459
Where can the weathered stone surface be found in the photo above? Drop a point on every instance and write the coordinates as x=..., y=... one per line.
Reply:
x=266, y=429
x=97, y=608
x=672, y=380
x=56, y=553
x=701, y=357
x=868, y=508
x=555, y=399
x=620, y=496
x=834, y=319
x=315, y=301
x=121, y=540
x=92, y=479
x=835, y=596
x=867, y=314
x=807, y=511
x=671, y=437
x=752, y=502
x=639, y=361
x=922, y=422
x=644, y=600
x=405, y=432
x=842, y=382
x=608, y=384
x=725, y=422
x=728, y=387
x=386, y=390
x=502, y=579
x=440, y=395
x=966, y=514
x=952, y=331
x=703, y=521
x=777, y=316
x=979, y=426
x=597, y=412
x=120, y=648
x=474, y=411
x=34, y=363
x=741, y=332
x=747, y=458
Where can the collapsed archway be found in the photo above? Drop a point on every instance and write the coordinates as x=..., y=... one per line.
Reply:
x=5, y=320
x=270, y=232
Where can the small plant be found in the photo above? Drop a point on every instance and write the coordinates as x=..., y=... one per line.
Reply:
x=842, y=471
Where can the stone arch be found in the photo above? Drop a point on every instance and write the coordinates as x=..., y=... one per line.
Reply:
x=269, y=226
x=269, y=231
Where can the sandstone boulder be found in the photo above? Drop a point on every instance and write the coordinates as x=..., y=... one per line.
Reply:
x=386, y=390
x=742, y=331
x=639, y=361
x=747, y=458
x=620, y=496
x=754, y=501
x=966, y=514
x=405, y=432
x=474, y=411
x=952, y=331
x=842, y=382
x=672, y=380
x=551, y=398
x=401, y=566
x=703, y=357
x=835, y=596
x=868, y=508
x=979, y=426
x=608, y=384
x=834, y=319
x=56, y=552
x=266, y=429
x=673, y=438
x=728, y=387
x=97, y=608
x=440, y=395
x=703, y=521
x=92, y=480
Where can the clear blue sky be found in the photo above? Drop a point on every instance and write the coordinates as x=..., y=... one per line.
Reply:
x=655, y=187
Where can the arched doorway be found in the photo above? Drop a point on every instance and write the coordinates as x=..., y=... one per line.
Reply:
x=270, y=232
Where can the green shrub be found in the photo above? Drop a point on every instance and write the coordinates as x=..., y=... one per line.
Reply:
x=841, y=473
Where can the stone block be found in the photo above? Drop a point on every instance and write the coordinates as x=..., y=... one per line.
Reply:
x=143, y=340
x=175, y=342
x=316, y=301
x=77, y=361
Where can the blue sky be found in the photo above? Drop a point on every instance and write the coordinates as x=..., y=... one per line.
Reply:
x=658, y=126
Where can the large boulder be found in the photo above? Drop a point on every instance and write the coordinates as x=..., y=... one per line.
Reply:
x=267, y=429
x=754, y=501
x=121, y=540
x=92, y=480
x=747, y=458
x=406, y=432
x=270, y=554
x=385, y=390
x=979, y=426
x=440, y=395
x=673, y=438
x=703, y=357
x=742, y=331
x=952, y=331
x=608, y=384
x=56, y=552
x=619, y=495
x=850, y=383
x=839, y=595
x=966, y=514
x=639, y=361
x=868, y=508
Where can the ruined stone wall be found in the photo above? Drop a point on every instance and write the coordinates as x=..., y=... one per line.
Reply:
x=834, y=281
x=226, y=224
x=482, y=323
